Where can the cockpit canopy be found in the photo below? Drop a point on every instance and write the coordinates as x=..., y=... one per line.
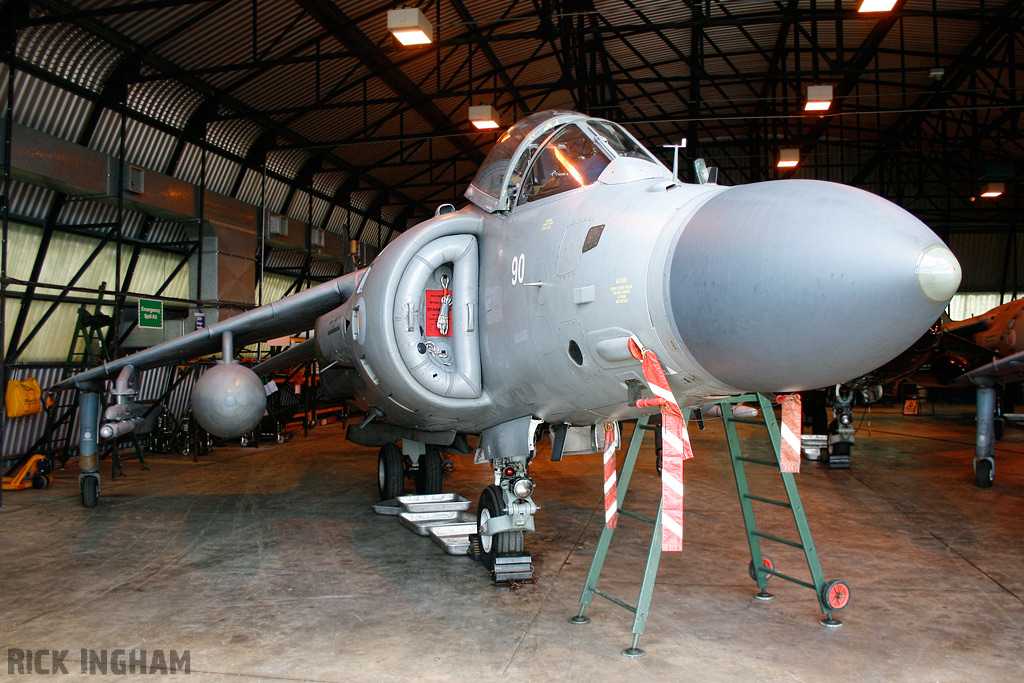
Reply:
x=547, y=153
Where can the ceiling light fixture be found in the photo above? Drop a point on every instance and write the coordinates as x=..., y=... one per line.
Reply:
x=788, y=158
x=876, y=5
x=410, y=26
x=993, y=190
x=484, y=117
x=819, y=98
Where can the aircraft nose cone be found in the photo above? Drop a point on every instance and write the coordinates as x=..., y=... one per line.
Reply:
x=798, y=284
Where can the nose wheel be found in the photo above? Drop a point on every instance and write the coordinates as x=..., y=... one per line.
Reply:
x=491, y=506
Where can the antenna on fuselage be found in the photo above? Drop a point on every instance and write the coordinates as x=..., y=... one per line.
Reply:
x=675, y=156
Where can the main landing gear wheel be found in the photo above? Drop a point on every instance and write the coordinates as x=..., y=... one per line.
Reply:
x=430, y=472
x=90, y=491
x=390, y=472
x=492, y=505
x=984, y=473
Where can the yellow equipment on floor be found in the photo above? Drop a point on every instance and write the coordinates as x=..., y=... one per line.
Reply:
x=33, y=473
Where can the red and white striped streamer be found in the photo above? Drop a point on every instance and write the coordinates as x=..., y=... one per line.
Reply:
x=611, y=494
x=792, y=421
x=675, y=446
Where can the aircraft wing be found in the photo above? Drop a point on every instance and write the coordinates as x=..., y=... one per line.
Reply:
x=968, y=328
x=285, y=316
x=300, y=353
x=1008, y=369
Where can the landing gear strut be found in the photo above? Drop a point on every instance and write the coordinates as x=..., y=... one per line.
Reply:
x=840, y=438
x=984, y=444
x=506, y=507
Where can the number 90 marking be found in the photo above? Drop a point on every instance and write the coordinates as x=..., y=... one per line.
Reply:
x=518, y=269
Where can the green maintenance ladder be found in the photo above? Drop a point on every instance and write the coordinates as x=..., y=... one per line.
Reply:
x=831, y=596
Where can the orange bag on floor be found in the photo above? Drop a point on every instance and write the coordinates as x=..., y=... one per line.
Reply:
x=23, y=397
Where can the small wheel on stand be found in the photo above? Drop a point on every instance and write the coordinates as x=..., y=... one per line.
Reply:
x=836, y=595
x=390, y=472
x=765, y=562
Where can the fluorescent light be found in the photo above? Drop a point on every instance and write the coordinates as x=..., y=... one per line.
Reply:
x=876, y=5
x=410, y=26
x=484, y=117
x=788, y=158
x=993, y=190
x=819, y=98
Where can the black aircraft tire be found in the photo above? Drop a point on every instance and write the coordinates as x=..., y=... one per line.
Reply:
x=507, y=542
x=430, y=472
x=90, y=492
x=840, y=448
x=983, y=474
x=390, y=472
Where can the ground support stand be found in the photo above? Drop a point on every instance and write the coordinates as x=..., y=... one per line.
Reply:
x=831, y=596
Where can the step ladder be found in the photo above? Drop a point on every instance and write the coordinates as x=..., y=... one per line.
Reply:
x=89, y=329
x=831, y=596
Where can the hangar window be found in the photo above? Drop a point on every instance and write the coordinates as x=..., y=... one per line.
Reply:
x=568, y=160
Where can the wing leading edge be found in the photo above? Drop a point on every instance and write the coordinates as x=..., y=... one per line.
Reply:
x=1009, y=368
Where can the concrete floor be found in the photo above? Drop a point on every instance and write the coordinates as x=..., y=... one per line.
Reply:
x=269, y=564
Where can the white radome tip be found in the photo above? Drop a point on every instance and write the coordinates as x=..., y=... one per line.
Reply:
x=938, y=274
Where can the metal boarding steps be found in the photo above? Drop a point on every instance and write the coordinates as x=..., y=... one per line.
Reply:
x=831, y=596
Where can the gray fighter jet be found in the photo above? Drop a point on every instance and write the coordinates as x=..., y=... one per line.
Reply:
x=516, y=310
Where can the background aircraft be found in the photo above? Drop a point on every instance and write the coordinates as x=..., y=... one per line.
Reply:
x=516, y=311
x=985, y=351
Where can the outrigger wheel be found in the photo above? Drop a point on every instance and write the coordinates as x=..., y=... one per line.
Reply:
x=492, y=505
x=390, y=472
x=984, y=473
x=90, y=491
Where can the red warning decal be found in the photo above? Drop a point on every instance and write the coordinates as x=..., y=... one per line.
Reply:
x=434, y=311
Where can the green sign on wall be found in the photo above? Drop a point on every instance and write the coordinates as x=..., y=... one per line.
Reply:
x=151, y=313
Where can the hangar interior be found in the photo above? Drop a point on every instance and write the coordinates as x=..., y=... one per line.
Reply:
x=217, y=155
